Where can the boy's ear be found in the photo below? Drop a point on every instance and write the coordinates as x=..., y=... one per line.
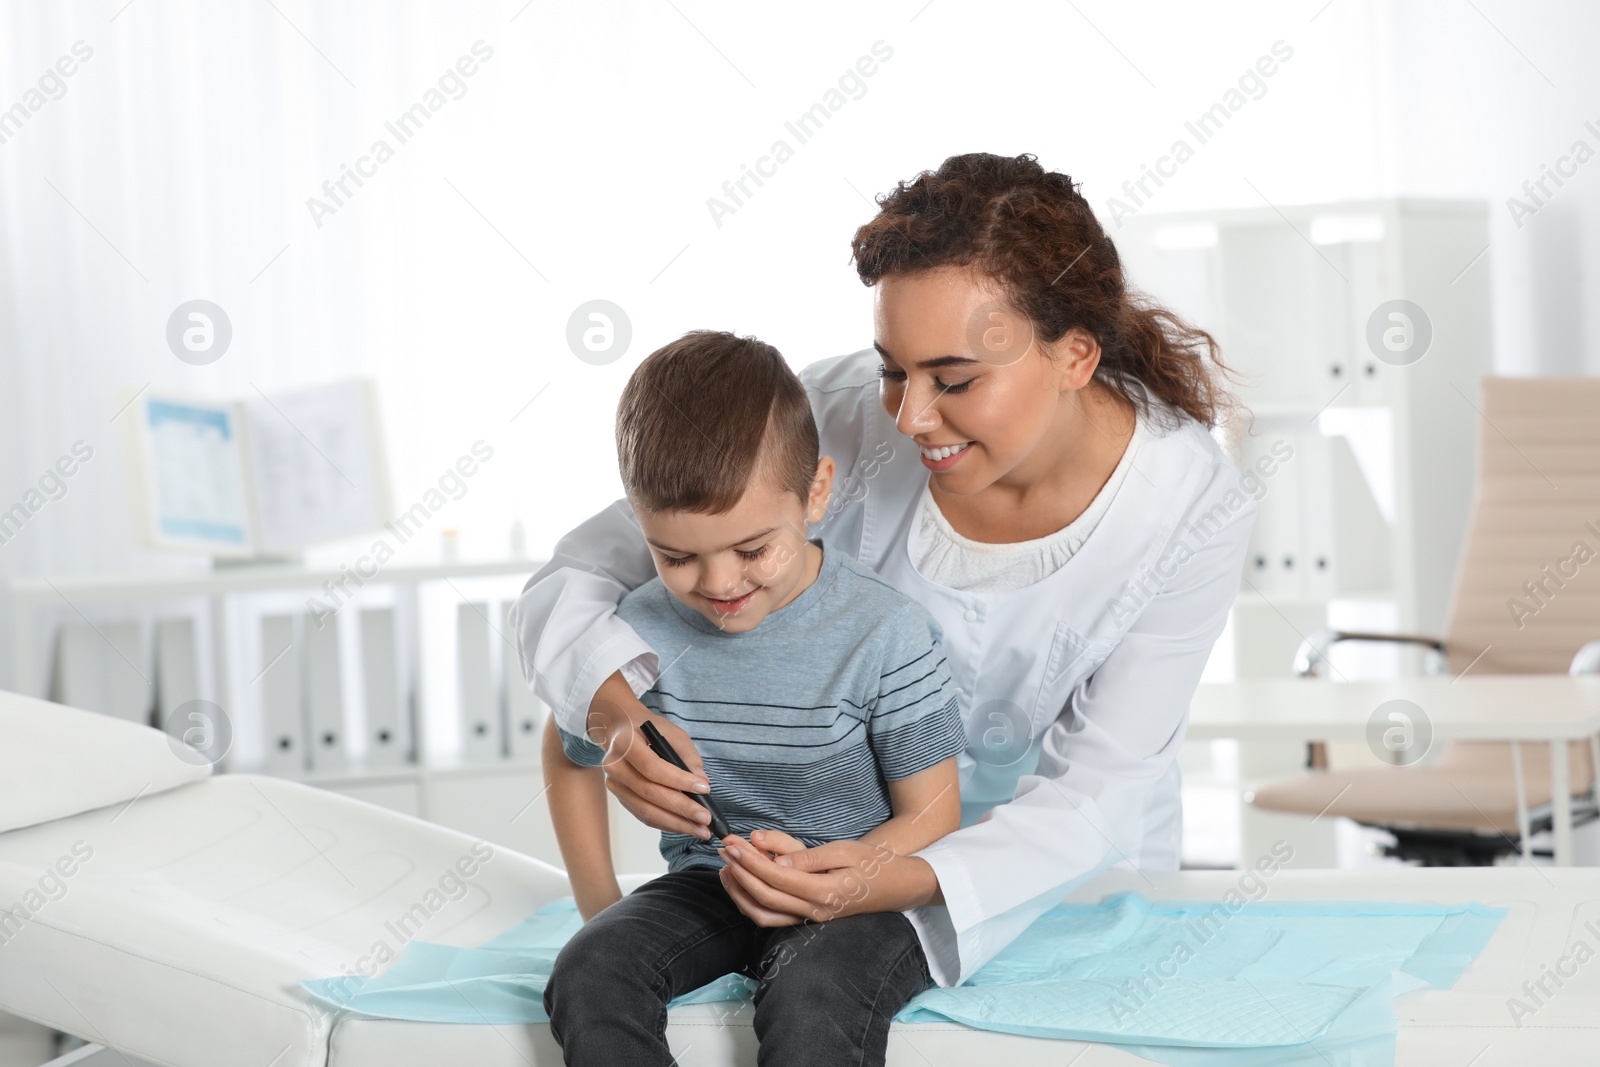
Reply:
x=821, y=490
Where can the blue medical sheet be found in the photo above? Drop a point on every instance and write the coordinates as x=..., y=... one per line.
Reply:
x=1180, y=982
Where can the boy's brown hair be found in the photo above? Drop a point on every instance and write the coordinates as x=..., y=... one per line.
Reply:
x=698, y=416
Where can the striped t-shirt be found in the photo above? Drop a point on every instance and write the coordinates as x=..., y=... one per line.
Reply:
x=802, y=721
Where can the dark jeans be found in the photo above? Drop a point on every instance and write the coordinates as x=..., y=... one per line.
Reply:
x=827, y=990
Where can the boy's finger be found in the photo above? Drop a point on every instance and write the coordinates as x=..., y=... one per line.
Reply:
x=775, y=841
x=752, y=854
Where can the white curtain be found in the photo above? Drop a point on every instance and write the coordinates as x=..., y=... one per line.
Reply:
x=578, y=161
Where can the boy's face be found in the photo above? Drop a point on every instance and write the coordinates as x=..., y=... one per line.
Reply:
x=739, y=567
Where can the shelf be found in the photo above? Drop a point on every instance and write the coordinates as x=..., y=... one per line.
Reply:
x=1270, y=412
x=258, y=579
x=1257, y=600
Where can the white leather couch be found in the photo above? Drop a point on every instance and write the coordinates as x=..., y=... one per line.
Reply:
x=176, y=911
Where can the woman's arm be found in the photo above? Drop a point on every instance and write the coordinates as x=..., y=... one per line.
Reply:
x=569, y=639
x=589, y=665
x=577, y=798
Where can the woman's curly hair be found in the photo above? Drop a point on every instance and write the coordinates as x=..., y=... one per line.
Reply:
x=1034, y=233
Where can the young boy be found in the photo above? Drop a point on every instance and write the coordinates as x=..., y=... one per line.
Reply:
x=816, y=695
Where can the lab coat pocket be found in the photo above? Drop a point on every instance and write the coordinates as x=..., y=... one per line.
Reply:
x=1072, y=659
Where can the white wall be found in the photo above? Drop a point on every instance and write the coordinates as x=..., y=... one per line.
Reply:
x=1487, y=99
x=577, y=165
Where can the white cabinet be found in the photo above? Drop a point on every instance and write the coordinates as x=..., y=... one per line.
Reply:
x=1364, y=419
x=420, y=669
x=1302, y=300
x=1319, y=533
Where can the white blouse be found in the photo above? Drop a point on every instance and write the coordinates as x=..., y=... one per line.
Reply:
x=946, y=558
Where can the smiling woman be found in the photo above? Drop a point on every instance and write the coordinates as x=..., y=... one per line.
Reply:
x=1062, y=446
x=1056, y=357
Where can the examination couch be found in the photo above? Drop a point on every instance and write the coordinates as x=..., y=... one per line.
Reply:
x=167, y=913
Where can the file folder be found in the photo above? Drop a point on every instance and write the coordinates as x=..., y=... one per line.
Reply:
x=388, y=703
x=177, y=666
x=282, y=695
x=525, y=712
x=102, y=668
x=324, y=695
x=482, y=738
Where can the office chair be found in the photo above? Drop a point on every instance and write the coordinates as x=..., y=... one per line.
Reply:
x=1526, y=601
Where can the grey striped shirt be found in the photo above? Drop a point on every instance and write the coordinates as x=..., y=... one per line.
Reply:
x=802, y=721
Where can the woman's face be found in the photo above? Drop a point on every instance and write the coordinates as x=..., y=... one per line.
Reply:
x=961, y=368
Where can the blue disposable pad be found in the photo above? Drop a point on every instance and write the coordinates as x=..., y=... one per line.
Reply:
x=1180, y=982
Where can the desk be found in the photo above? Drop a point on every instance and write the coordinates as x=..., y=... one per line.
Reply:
x=216, y=585
x=1552, y=709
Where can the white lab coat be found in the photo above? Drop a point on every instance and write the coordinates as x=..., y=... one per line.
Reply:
x=1075, y=689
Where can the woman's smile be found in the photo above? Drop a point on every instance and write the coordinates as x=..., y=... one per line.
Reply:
x=943, y=457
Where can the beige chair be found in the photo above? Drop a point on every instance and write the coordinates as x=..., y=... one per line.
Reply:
x=1526, y=601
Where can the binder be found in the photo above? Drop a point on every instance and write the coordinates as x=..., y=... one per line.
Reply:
x=525, y=712
x=281, y=686
x=1327, y=340
x=1284, y=513
x=1319, y=516
x=324, y=696
x=1368, y=289
x=75, y=675
x=1347, y=536
x=482, y=737
x=101, y=668
x=177, y=667
x=388, y=725
x=177, y=681
x=1280, y=524
x=1271, y=566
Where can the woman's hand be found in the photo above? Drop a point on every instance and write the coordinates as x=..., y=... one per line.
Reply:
x=775, y=845
x=651, y=788
x=779, y=882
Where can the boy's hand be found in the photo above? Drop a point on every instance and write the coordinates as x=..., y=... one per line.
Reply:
x=648, y=786
x=773, y=844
